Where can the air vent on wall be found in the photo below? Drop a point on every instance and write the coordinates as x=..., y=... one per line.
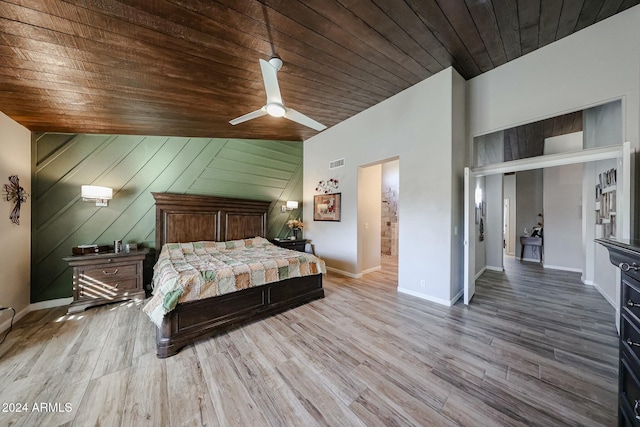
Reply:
x=336, y=164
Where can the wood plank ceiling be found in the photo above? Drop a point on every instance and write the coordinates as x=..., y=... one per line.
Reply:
x=526, y=141
x=186, y=67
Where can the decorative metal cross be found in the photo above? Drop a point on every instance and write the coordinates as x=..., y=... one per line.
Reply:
x=15, y=193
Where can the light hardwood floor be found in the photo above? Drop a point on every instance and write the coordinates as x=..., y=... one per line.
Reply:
x=534, y=348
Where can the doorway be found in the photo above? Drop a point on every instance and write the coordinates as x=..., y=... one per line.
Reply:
x=378, y=217
x=619, y=153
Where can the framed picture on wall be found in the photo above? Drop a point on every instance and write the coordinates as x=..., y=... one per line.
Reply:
x=327, y=207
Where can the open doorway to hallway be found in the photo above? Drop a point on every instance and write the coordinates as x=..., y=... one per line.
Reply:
x=378, y=217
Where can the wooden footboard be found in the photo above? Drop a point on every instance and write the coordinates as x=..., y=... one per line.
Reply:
x=205, y=318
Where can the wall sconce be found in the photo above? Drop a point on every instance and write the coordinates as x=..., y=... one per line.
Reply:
x=94, y=193
x=291, y=205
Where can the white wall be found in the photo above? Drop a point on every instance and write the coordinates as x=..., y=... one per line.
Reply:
x=601, y=127
x=459, y=160
x=595, y=65
x=15, y=251
x=598, y=64
x=481, y=245
x=604, y=273
x=563, y=206
x=529, y=204
x=493, y=222
x=369, y=213
x=509, y=186
x=563, y=217
x=416, y=126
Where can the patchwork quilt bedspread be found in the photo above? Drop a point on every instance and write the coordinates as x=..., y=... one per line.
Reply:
x=191, y=271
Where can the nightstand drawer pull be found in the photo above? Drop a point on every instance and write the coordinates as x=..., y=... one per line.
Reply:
x=632, y=344
x=107, y=273
x=624, y=266
x=635, y=409
x=630, y=303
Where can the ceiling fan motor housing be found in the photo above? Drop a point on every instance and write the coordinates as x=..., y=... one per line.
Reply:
x=276, y=62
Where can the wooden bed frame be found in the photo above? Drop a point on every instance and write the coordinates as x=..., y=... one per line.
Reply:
x=190, y=218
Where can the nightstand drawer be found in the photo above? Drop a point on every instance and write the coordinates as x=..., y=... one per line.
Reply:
x=106, y=277
x=110, y=273
x=297, y=246
x=95, y=289
x=294, y=245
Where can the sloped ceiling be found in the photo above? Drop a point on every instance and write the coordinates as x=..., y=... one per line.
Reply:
x=186, y=67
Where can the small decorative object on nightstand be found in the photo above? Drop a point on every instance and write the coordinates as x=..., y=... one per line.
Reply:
x=102, y=278
x=294, y=245
x=296, y=226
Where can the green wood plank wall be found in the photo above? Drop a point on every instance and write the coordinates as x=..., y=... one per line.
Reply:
x=135, y=166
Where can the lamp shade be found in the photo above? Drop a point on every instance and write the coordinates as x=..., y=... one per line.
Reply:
x=292, y=204
x=96, y=192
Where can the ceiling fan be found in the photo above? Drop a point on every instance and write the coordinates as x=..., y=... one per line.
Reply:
x=275, y=106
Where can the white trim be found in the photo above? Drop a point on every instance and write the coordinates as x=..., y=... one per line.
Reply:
x=613, y=304
x=371, y=270
x=457, y=296
x=479, y=273
x=492, y=268
x=50, y=304
x=551, y=160
x=441, y=301
x=344, y=273
x=353, y=275
x=541, y=162
x=561, y=268
x=586, y=282
x=34, y=307
x=5, y=325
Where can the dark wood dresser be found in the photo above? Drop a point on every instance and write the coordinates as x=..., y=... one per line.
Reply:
x=106, y=277
x=294, y=245
x=626, y=256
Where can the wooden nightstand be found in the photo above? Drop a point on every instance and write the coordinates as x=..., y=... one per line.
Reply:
x=294, y=245
x=106, y=277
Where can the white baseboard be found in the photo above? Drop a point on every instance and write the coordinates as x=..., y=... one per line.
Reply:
x=354, y=275
x=561, y=268
x=612, y=302
x=344, y=273
x=371, y=270
x=50, y=304
x=19, y=315
x=479, y=273
x=489, y=267
x=33, y=307
x=457, y=297
x=599, y=289
x=427, y=297
x=536, y=260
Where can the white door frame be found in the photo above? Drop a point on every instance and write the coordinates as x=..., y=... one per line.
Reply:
x=621, y=152
x=469, y=235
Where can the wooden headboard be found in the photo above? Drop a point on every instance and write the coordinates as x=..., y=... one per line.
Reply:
x=190, y=218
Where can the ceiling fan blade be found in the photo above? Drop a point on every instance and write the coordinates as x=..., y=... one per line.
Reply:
x=249, y=116
x=298, y=117
x=270, y=77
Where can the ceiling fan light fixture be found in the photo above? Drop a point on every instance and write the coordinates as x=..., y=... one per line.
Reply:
x=275, y=110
